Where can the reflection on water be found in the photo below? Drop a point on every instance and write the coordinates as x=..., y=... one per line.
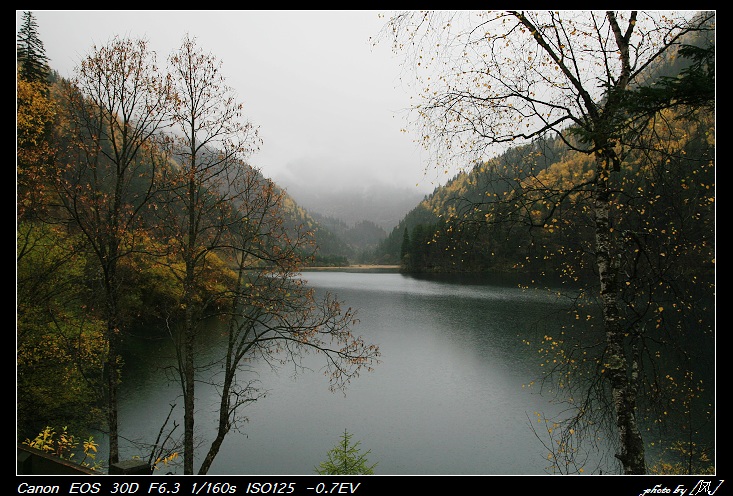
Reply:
x=448, y=397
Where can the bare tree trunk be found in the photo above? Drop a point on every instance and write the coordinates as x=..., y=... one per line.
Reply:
x=189, y=395
x=224, y=424
x=113, y=375
x=189, y=332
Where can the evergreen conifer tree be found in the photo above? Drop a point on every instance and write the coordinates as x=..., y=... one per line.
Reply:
x=32, y=62
x=406, y=244
x=346, y=458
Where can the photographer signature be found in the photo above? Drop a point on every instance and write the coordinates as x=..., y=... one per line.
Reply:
x=702, y=487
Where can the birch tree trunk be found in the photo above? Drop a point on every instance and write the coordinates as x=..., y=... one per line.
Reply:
x=621, y=375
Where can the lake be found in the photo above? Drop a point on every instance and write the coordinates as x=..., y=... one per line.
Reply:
x=450, y=396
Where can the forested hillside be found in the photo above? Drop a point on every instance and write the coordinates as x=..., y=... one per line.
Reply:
x=137, y=211
x=454, y=228
x=448, y=231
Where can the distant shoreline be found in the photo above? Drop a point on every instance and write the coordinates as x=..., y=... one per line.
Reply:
x=354, y=268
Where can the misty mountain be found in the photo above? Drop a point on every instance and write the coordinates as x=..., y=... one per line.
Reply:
x=362, y=237
x=381, y=204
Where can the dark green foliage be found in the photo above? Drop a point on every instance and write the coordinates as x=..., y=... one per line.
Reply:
x=694, y=86
x=30, y=53
x=406, y=244
x=390, y=249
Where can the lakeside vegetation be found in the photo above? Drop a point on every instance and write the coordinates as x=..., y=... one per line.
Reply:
x=121, y=223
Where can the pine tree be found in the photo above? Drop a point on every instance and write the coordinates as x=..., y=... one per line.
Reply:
x=346, y=459
x=31, y=55
x=406, y=244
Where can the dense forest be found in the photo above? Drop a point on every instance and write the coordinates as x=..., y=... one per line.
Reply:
x=121, y=222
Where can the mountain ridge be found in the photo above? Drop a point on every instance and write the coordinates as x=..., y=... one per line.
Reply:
x=383, y=204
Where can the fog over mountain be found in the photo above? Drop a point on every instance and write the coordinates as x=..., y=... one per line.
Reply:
x=383, y=204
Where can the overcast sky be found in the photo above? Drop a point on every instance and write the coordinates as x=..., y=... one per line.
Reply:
x=329, y=105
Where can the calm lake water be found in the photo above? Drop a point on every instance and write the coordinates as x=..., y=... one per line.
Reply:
x=449, y=397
